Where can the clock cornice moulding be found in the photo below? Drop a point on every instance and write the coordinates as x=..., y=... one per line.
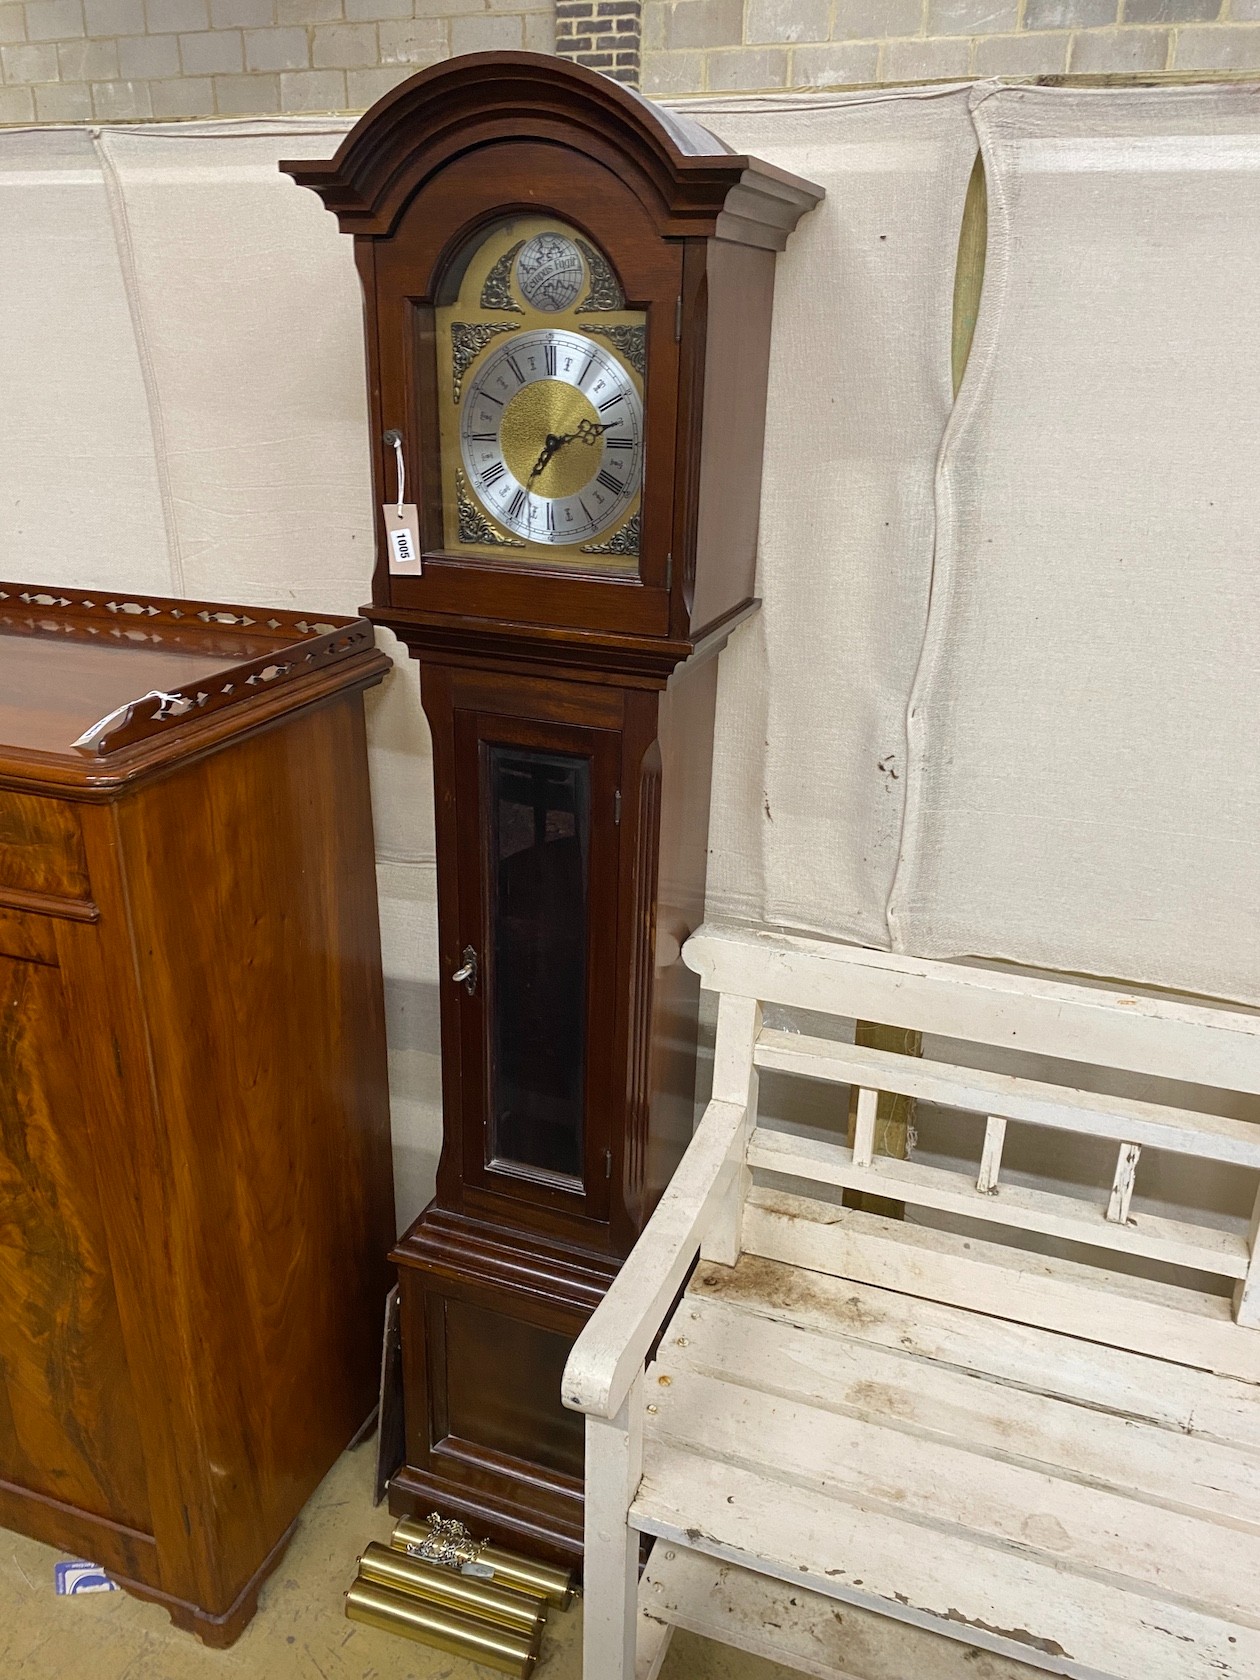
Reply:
x=691, y=185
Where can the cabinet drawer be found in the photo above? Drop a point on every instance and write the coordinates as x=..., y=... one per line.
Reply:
x=41, y=849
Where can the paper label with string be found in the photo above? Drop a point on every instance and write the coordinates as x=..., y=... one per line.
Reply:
x=402, y=533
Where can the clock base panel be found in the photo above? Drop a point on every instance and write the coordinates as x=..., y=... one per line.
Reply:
x=487, y=1326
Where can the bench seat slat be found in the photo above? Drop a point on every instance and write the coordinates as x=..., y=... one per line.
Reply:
x=954, y=1485
x=804, y=1630
x=1186, y=1403
x=993, y=1596
x=1175, y=1242
x=1182, y=1325
x=1121, y=1119
x=943, y=1404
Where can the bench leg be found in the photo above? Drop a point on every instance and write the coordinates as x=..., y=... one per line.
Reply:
x=654, y=1638
x=614, y=1462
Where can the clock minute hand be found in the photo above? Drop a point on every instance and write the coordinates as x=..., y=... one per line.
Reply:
x=591, y=433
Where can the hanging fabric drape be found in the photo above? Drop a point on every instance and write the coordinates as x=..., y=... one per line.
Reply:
x=999, y=701
x=1084, y=790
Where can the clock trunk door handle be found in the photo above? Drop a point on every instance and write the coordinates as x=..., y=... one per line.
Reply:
x=466, y=974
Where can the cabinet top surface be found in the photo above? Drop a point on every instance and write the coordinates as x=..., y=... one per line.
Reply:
x=100, y=681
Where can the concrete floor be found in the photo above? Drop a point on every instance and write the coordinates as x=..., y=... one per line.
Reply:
x=299, y=1632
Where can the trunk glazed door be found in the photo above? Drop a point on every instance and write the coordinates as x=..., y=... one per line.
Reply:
x=537, y=813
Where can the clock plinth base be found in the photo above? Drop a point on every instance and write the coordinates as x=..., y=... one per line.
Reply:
x=545, y=1537
x=488, y=1319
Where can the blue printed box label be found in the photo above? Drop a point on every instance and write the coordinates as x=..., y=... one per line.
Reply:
x=79, y=1576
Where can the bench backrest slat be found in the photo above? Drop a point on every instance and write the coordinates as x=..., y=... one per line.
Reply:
x=1035, y=1102
x=1165, y=1037
x=1203, y=1043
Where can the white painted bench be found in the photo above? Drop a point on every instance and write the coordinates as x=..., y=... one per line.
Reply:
x=871, y=1447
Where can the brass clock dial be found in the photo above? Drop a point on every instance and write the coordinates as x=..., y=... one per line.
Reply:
x=551, y=436
x=540, y=380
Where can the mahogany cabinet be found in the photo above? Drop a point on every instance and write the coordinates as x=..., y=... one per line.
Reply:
x=568, y=301
x=195, y=1183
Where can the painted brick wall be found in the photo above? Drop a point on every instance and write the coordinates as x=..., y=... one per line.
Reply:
x=719, y=46
x=118, y=60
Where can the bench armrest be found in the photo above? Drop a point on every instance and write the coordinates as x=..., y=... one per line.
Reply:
x=610, y=1351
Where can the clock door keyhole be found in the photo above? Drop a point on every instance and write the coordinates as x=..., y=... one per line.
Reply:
x=466, y=974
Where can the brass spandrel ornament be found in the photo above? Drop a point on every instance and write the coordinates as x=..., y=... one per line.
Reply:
x=474, y=527
x=497, y=291
x=624, y=541
x=605, y=291
x=630, y=341
x=468, y=340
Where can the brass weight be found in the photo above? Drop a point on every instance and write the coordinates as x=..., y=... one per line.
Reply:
x=508, y=1569
x=466, y=1593
x=506, y=1649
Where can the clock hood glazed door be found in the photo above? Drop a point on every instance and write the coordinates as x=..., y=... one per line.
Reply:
x=435, y=342
x=538, y=861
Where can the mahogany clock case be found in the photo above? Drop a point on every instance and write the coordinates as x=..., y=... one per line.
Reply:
x=571, y=707
x=194, y=1125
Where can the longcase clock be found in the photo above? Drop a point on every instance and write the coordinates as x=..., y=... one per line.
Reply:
x=568, y=299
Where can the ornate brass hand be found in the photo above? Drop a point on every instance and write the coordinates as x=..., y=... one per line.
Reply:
x=587, y=432
x=549, y=448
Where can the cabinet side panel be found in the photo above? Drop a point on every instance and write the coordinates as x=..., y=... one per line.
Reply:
x=686, y=742
x=251, y=885
x=737, y=368
x=68, y=1427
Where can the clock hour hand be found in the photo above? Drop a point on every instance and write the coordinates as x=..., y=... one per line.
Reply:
x=550, y=445
x=587, y=431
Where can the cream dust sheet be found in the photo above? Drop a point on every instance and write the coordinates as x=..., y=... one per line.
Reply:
x=999, y=700
x=247, y=316
x=810, y=782
x=1084, y=786
x=80, y=500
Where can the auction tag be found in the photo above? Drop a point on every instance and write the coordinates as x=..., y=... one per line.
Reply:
x=402, y=532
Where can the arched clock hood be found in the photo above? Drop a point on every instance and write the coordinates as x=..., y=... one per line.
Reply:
x=692, y=184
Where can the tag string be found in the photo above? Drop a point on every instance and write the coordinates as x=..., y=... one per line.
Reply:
x=396, y=439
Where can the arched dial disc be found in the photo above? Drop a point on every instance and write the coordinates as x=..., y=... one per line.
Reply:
x=551, y=435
